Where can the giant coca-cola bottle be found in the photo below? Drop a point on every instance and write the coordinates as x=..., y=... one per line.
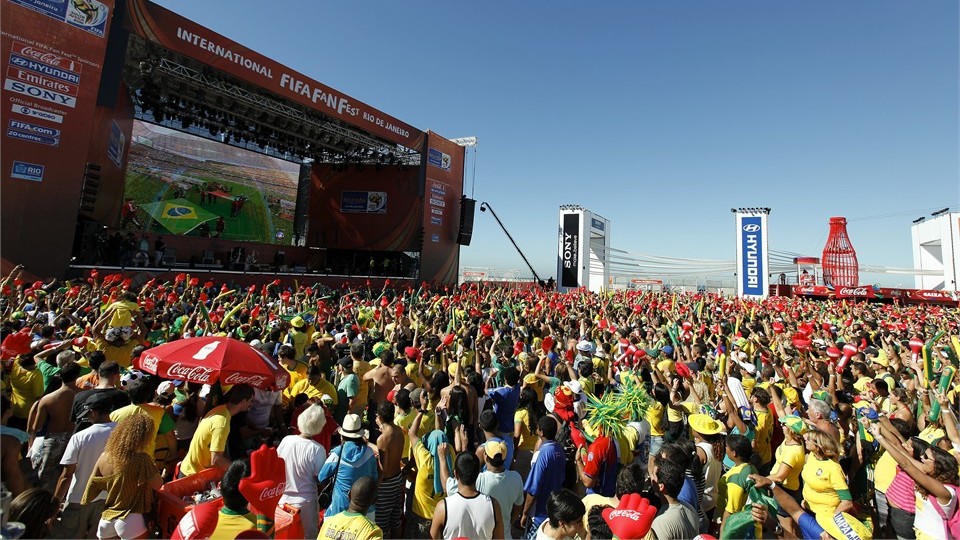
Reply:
x=840, y=267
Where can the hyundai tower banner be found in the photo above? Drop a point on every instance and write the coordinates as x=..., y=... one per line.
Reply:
x=752, y=259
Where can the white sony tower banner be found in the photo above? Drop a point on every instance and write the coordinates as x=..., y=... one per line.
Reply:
x=582, y=250
x=753, y=260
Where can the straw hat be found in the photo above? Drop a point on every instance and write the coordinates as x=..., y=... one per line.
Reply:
x=704, y=424
x=351, y=428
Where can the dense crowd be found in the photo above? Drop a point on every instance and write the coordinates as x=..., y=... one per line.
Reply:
x=478, y=412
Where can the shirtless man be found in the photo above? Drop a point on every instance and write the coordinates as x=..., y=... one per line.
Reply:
x=401, y=379
x=390, y=492
x=382, y=377
x=53, y=418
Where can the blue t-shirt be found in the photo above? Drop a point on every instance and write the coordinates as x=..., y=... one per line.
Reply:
x=505, y=401
x=508, y=442
x=547, y=473
x=688, y=493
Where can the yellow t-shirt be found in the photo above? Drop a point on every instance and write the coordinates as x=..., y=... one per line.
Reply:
x=588, y=384
x=154, y=412
x=26, y=387
x=120, y=355
x=748, y=384
x=824, y=485
x=404, y=421
x=732, y=488
x=313, y=391
x=528, y=441
x=764, y=433
x=349, y=525
x=361, y=367
x=931, y=433
x=210, y=436
x=884, y=471
x=655, y=417
x=424, y=501
x=230, y=524
x=791, y=455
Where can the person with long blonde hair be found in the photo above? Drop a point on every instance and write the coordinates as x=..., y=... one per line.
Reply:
x=824, y=480
x=128, y=475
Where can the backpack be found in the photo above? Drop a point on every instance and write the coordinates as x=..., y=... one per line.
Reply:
x=951, y=524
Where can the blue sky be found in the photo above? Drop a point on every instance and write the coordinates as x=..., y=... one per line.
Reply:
x=658, y=115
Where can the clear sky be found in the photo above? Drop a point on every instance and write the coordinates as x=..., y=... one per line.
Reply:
x=658, y=115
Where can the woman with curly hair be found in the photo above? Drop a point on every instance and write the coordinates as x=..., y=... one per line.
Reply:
x=128, y=475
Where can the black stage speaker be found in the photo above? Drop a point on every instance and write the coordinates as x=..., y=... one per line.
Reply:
x=466, y=220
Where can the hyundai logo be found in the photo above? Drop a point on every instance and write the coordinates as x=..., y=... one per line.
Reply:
x=751, y=227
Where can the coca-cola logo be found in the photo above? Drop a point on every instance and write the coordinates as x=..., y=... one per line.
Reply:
x=149, y=363
x=48, y=58
x=198, y=374
x=239, y=378
x=806, y=290
x=632, y=515
x=274, y=492
x=853, y=291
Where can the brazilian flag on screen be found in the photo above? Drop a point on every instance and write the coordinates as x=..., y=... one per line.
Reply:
x=179, y=216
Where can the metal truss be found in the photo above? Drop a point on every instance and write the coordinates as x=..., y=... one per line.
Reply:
x=179, y=71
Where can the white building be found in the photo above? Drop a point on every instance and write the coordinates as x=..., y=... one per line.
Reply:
x=936, y=247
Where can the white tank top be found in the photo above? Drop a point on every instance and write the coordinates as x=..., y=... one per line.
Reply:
x=711, y=473
x=469, y=518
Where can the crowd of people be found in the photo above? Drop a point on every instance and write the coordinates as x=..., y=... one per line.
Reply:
x=481, y=412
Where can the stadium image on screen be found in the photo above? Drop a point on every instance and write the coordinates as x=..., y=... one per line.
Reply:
x=183, y=184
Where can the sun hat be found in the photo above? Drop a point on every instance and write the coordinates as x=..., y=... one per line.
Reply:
x=794, y=424
x=704, y=424
x=585, y=346
x=351, y=428
x=453, y=368
x=298, y=322
x=530, y=378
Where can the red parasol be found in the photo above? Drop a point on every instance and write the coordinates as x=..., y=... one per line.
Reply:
x=208, y=359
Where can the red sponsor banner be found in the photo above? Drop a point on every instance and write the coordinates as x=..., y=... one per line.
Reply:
x=365, y=208
x=53, y=62
x=42, y=81
x=188, y=38
x=863, y=291
x=443, y=186
x=944, y=297
x=646, y=281
x=811, y=290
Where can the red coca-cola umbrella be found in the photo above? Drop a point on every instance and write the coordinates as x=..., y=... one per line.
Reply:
x=209, y=359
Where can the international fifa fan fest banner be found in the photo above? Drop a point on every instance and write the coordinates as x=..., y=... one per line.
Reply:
x=53, y=53
x=364, y=208
x=188, y=38
x=752, y=255
x=442, y=166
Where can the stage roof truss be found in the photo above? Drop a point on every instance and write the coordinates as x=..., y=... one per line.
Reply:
x=306, y=134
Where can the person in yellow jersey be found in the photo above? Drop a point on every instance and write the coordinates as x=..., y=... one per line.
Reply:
x=734, y=484
x=210, y=440
x=117, y=343
x=788, y=465
x=824, y=480
x=354, y=523
x=235, y=517
x=657, y=417
x=360, y=368
x=288, y=359
x=297, y=336
x=26, y=388
x=760, y=399
x=315, y=386
x=140, y=393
